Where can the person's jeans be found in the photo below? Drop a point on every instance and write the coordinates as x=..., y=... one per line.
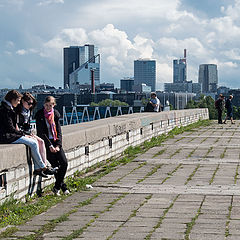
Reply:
x=33, y=144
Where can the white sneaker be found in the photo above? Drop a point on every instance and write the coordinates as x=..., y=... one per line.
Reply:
x=66, y=192
x=56, y=192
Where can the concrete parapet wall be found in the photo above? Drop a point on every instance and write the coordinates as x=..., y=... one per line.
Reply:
x=88, y=143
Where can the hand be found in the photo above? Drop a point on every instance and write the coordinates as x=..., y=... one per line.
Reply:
x=57, y=148
x=52, y=149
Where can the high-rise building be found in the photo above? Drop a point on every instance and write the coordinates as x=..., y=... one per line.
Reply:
x=81, y=64
x=187, y=86
x=208, y=77
x=145, y=72
x=127, y=84
x=180, y=69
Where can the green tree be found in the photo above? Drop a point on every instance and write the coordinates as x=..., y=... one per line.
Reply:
x=109, y=103
x=191, y=104
x=204, y=102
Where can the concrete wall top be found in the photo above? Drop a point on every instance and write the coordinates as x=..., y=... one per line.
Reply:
x=81, y=134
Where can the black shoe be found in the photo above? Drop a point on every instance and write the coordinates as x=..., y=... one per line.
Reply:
x=40, y=173
x=51, y=171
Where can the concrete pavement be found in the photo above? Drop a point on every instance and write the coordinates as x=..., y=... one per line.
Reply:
x=187, y=188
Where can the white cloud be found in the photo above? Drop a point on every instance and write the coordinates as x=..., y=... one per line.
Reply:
x=48, y=2
x=144, y=46
x=233, y=54
x=21, y=52
x=67, y=37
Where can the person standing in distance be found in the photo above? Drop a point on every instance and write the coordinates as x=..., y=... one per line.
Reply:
x=219, y=105
x=49, y=129
x=229, y=107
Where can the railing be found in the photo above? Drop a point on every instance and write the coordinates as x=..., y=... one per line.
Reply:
x=78, y=114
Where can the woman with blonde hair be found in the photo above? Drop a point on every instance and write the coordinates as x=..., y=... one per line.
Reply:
x=49, y=129
x=24, y=115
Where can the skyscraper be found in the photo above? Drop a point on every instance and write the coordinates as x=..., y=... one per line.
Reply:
x=180, y=69
x=145, y=72
x=208, y=77
x=79, y=61
x=127, y=84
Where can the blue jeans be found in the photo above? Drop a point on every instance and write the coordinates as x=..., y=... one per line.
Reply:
x=33, y=144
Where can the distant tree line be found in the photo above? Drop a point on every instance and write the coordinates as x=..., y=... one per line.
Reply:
x=209, y=102
x=109, y=103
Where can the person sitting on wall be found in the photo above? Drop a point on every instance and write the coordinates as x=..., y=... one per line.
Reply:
x=155, y=102
x=49, y=129
x=10, y=132
x=24, y=114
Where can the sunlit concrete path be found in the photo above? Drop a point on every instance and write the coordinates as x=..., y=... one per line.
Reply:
x=187, y=188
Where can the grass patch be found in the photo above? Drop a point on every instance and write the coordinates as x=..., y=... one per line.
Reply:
x=209, y=150
x=179, y=139
x=193, y=221
x=236, y=174
x=229, y=218
x=223, y=153
x=192, y=174
x=160, y=153
x=171, y=173
x=176, y=152
x=204, y=140
x=150, y=173
x=140, y=165
x=191, y=153
x=214, y=174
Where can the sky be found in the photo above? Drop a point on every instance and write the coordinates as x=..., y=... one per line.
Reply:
x=34, y=33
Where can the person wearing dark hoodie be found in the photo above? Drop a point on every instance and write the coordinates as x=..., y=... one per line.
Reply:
x=10, y=132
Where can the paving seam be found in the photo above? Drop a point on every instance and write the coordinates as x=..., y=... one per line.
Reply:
x=193, y=222
x=133, y=214
x=79, y=232
x=228, y=219
x=58, y=219
x=148, y=237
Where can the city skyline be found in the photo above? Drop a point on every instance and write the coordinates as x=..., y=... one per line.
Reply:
x=31, y=49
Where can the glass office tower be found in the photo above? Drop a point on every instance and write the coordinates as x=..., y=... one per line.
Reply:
x=145, y=72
